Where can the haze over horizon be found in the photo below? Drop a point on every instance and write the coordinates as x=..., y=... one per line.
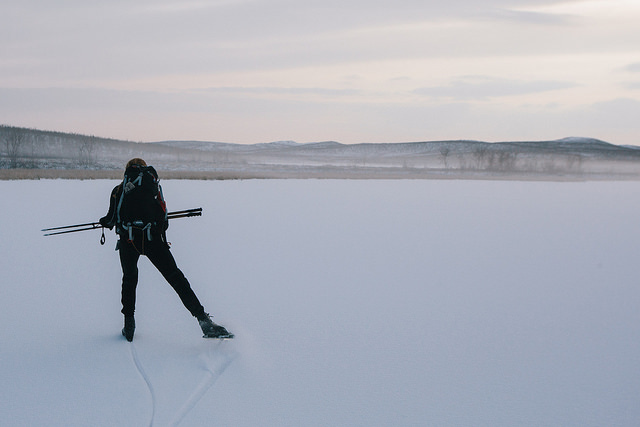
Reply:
x=252, y=71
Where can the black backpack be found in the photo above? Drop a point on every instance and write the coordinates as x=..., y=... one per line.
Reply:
x=141, y=205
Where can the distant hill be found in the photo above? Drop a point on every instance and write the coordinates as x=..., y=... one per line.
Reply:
x=570, y=158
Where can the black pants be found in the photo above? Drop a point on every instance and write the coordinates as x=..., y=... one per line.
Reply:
x=160, y=256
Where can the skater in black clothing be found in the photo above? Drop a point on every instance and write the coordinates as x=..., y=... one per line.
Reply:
x=138, y=212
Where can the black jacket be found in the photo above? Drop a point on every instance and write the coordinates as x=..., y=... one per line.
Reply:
x=109, y=220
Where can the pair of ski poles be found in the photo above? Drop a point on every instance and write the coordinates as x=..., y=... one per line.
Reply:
x=93, y=225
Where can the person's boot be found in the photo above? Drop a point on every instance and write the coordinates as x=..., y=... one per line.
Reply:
x=211, y=329
x=129, y=327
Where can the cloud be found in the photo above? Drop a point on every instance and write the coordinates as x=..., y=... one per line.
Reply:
x=303, y=91
x=212, y=63
x=633, y=68
x=482, y=87
x=618, y=113
x=118, y=40
x=533, y=18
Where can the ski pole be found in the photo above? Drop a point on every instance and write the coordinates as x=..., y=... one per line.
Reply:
x=194, y=210
x=184, y=215
x=93, y=225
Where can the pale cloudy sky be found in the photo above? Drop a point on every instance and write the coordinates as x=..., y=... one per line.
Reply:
x=353, y=71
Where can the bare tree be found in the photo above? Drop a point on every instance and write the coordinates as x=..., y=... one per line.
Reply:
x=574, y=163
x=480, y=154
x=13, y=139
x=444, y=152
x=507, y=161
x=87, y=148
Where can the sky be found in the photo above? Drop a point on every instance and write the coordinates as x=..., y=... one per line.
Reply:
x=352, y=71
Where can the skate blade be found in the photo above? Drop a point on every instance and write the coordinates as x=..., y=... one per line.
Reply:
x=219, y=337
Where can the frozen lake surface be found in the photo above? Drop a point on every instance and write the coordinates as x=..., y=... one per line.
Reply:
x=354, y=303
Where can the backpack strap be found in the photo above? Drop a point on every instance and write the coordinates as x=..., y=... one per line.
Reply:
x=119, y=206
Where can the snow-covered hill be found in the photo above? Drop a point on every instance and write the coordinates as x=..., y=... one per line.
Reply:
x=573, y=158
x=223, y=146
x=354, y=303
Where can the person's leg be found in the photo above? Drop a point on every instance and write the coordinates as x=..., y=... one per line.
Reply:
x=160, y=256
x=129, y=261
x=158, y=253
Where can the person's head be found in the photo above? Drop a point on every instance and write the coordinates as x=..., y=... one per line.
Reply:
x=136, y=161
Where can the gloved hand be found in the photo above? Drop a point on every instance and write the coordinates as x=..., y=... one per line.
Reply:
x=104, y=221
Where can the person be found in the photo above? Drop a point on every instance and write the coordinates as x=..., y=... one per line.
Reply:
x=150, y=241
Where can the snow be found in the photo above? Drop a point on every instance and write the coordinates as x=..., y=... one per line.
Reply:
x=354, y=303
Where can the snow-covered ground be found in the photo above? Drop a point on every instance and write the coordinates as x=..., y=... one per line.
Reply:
x=354, y=303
